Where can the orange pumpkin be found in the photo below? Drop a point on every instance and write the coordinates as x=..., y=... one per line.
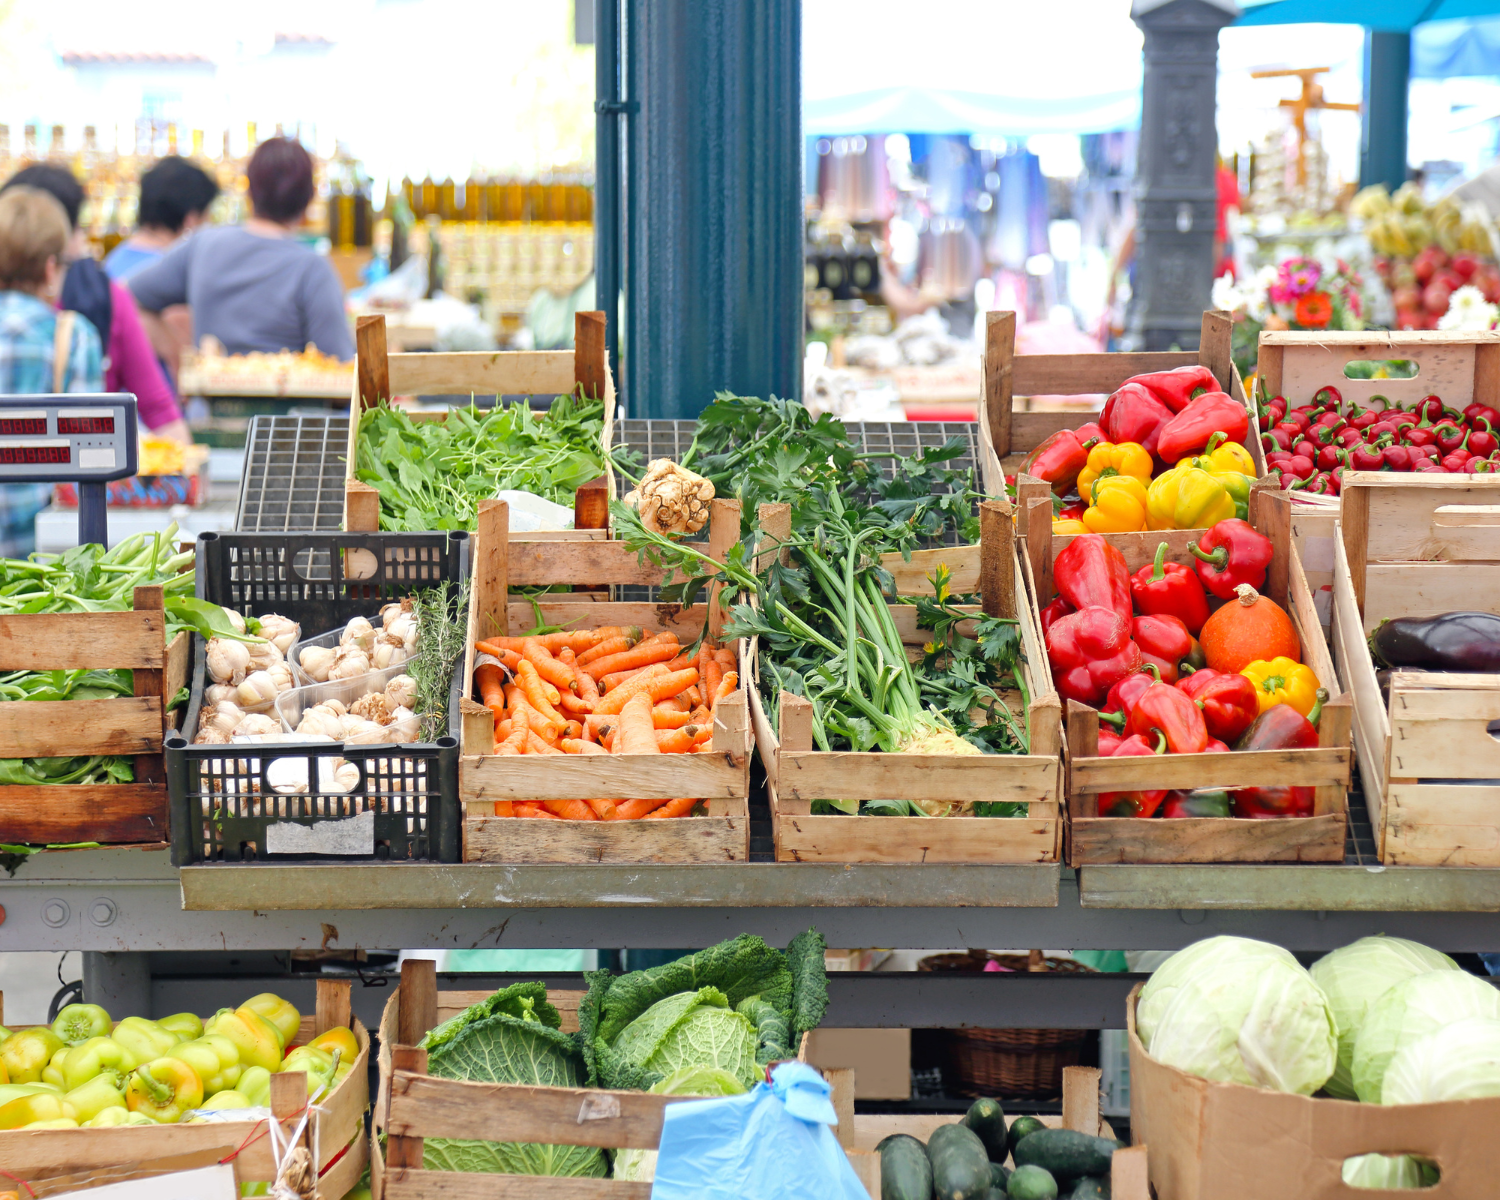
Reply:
x=1247, y=628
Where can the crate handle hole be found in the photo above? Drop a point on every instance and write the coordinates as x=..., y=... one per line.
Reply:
x=1493, y=729
x=1382, y=368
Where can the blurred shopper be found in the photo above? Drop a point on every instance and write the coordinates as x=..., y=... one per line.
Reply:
x=41, y=349
x=131, y=364
x=175, y=195
x=255, y=286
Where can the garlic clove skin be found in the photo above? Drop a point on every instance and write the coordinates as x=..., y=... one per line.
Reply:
x=349, y=663
x=258, y=692
x=373, y=706
x=214, y=693
x=263, y=655
x=359, y=632
x=281, y=675
x=228, y=661
x=211, y=736
x=236, y=620
x=317, y=661
x=224, y=717
x=281, y=632
x=255, y=725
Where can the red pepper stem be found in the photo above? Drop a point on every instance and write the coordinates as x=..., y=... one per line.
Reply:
x=1161, y=742
x=1154, y=669
x=1317, y=709
x=1218, y=557
x=1159, y=570
x=1116, y=719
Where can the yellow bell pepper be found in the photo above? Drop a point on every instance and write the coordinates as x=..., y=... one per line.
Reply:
x=1187, y=498
x=1119, y=505
x=111, y=1118
x=253, y=1036
x=1068, y=528
x=341, y=1039
x=1282, y=681
x=27, y=1053
x=284, y=1018
x=1106, y=459
x=1231, y=465
x=163, y=1090
x=43, y=1106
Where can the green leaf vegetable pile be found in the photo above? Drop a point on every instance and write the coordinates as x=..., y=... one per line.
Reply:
x=433, y=474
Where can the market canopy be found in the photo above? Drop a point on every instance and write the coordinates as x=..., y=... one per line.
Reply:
x=1454, y=49
x=1391, y=16
x=940, y=111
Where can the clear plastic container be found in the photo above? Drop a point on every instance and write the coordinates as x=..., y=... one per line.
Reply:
x=290, y=706
x=329, y=640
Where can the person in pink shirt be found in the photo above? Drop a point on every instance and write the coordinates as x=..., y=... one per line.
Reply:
x=131, y=363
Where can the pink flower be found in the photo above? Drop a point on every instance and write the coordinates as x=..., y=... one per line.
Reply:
x=1281, y=293
x=1300, y=275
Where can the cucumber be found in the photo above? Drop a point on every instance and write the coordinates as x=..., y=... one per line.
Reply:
x=905, y=1173
x=1066, y=1153
x=987, y=1119
x=1091, y=1187
x=1031, y=1183
x=1020, y=1127
x=998, y=1176
x=960, y=1165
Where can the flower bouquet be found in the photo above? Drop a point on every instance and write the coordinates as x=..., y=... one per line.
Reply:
x=1300, y=293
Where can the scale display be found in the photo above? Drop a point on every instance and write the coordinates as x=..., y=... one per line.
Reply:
x=67, y=439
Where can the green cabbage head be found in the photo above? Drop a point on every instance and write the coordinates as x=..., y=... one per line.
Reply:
x=1458, y=1062
x=1388, y=1171
x=1410, y=1010
x=1353, y=977
x=1235, y=1010
x=690, y=1029
x=640, y=1165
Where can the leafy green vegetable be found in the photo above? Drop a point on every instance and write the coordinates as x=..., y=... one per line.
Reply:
x=690, y=1029
x=433, y=474
x=511, y=1037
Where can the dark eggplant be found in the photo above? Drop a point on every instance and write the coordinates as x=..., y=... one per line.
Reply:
x=1453, y=641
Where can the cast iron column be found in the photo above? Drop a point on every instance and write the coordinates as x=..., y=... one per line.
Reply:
x=609, y=110
x=1176, y=197
x=1382, y=151
x=713, y=202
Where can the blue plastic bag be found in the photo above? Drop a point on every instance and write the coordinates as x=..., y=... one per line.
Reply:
x=773, y=1143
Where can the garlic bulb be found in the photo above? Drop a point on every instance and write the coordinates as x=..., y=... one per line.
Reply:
x=280, y=631
x=387, y=654
x=215, y=693
x=263, y=655
x=373, y=706
x=337, y=707
x=317, y=661
x=403, y=726
x=357, y=729
x=255, y=725
x=228, y=661
x=211, y=736
x=321, y=720
x=258, y=692
x=400, y=629
x=359, y=632
x=402, y=691
x=346, y=776
x=236, y=620
x=349, y=663
x=223, y=716
x=281, y=675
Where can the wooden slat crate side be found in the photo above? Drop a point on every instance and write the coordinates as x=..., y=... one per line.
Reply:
x=705, y=840
x=402, y=1183
x=1454, y=364
x=1101, y=840
x=120, y=725
x=1371, y=719
x=101, y=641
x=115, y=814
x=842, y=775
x=1440, y=825
x=804, y=838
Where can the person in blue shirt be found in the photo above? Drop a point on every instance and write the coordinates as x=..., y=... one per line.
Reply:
x=175, y=196
x=41, y=350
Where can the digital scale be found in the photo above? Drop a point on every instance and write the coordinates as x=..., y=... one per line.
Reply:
x=85, y=440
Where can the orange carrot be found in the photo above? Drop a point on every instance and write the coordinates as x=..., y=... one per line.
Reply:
x=572, y=730
x=612, y=681
x=569, y=703
x=572, y=698
x=531, y=686
x=705, y=747
x=535, y=745
x=570, y=810
x=630, y=810
x=634, y=683
x=588, y=690
x=614, y=645
x=694, y=696
x=490, y=678
x=727, y=659
x=641, y=656
x=705, y=656
x=504, y=730
x=579, y=746
x=702, y=733
x=700, y=715
x=554, y=672
x=580, y=640
x=595, y=727
x=520, y=727
x=636, y=734
x=668, y=718
x=713, y=671
x=675, y=808
x=526, y=808
x=505, y=808
x=658, y=687
x=726, y=687
x=683, y=660
x=675, y=741
x=604, y=810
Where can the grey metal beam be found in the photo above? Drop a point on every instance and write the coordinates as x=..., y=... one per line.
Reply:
x=1225, y=886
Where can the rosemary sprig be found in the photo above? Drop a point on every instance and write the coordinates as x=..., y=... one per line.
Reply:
x=440, y=645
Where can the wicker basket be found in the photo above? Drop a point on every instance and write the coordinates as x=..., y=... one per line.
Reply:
x=1015, y=1063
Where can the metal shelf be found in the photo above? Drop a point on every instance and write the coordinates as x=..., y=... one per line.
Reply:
x=294, y=475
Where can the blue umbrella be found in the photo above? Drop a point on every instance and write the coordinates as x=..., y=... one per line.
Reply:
x=1387, y=16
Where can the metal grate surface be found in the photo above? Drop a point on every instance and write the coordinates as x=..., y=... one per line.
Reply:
x=294, y=475
x=1359, y=843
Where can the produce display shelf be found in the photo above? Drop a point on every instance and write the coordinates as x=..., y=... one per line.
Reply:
x=294, y=475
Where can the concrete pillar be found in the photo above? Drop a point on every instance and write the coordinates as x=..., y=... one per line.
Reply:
x=1176, y=198
x=120, y=983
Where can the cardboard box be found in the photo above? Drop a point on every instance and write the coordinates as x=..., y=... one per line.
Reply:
x=1223, y=1141
x=880, y=1059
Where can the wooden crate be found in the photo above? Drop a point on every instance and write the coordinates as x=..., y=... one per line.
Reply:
x=1319, y=838
x=1411, y=546
x=122, y=813
x=721, y=778
x=1007, y=434
x=796, y=774
x=380, y=375
x=51, y=1156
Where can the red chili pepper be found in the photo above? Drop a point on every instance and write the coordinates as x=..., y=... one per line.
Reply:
x=1448, y=436
x=1188, y=432
x=1057, y=461
x=1429, y=451
x=1215, y=747
x=1398, y=458
x=1483, y=441
x=1295, y=420
x=1349, y=436
x=1162, y=707
x=1366, y=458
x=1122, y=697
x=1133, y=414
x=1278, y=458
x=1455, y=463
x=1333, y=456
x=1231, y=553
x=1090, y=651
x=1481, y=466
x=1164, y=641
x=1331, y=422
x=1328, y=396
x=1279, y=437
x=1300, y=465
x=1335, y=481
x=1091, y=572
x=1177, y=387
x=1228, y=701
x=1477, y=412
x=1170, y=588
x=1365, y=419
x=1381, y=429
x=1276, y=729
x=1421, y=437
x=1315, y=484
x=1429, y=410
x=1138, y=803
x=1051, y=612
x=1306, y=447
x=1109, y=741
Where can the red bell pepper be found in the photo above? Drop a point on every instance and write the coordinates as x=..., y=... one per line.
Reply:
x=1164, y=641
x=1289, y=730
x=1170, y=588
x=1188, y=432
x=1215, y=746
x=1227, y=700
x=1137, y=803
x=1091, y=572
x=1057, y=461
x=1269, y=803
x=1058, y=608
x=1231, y=553
x=1162, y=707
x=1090, y=651
x=1179, y=386
x=1109, y=741
x=1200, y=802
x=1134, y=414
x=1120, y=702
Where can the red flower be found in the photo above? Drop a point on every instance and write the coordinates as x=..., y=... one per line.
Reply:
x=1314, y=310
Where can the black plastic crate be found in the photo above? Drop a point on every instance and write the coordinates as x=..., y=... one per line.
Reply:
x=408, y=793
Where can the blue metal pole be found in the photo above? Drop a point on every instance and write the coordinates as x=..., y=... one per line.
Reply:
x=608, y=111
x=713, y=202
x=1382, y=157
